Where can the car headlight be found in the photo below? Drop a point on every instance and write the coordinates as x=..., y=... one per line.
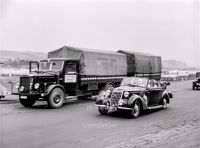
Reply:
x=36, y=86
x=126, y=94
x=120, y=102
x=22, y=88
x=17, y=86
x=108, y=92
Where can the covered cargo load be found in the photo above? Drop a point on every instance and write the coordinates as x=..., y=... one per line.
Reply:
x=142, y=64
x=94, y=63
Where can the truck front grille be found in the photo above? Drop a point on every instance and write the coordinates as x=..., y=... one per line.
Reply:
x=25, y=82
x=115, y=97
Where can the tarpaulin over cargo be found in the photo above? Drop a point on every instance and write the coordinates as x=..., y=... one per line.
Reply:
x=139, y=63
x=94, y=62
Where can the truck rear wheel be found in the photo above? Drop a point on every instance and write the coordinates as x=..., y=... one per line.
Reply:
x=56, y=98
x=109, y=86
x=28, y=102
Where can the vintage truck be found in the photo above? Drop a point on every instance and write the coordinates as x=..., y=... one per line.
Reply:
x=196, y=82
x=80, y=72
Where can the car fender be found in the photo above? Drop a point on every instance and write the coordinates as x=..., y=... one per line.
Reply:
x=135, y=97
x=166, y=95
x=51, y=87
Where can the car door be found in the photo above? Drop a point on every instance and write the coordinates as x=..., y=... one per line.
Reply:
x=154, y=93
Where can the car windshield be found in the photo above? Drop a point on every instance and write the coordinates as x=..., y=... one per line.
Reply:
x=51, y=66
x=135, y=81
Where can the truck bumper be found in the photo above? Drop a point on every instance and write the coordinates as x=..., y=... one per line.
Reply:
x=39, y=96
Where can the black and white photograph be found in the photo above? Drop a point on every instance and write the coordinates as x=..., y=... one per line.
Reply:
x=99, y=73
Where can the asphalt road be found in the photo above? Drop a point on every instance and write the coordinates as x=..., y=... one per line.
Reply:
x=78, y=124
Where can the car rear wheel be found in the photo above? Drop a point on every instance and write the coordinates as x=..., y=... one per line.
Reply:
x=136, y=109
x=28, y=102
x=164, y=103
x=56, y=98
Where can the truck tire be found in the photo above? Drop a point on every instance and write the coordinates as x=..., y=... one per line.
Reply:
x=28, y=102
x=109, y=86
x=56, y=98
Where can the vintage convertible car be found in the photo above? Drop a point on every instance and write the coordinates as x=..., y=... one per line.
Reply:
x=134, y=94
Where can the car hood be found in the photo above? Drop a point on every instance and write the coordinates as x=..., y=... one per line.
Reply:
x=129, y=88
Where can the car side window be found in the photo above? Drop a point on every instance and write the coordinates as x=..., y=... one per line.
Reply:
x=153, y=84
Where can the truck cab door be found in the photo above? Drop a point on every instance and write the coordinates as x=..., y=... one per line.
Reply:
x=71, y=76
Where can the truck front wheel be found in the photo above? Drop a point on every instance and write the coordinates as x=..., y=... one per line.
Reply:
x=56, y=98
x=28, y=102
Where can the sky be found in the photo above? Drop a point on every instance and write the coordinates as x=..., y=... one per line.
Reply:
x=169, y=28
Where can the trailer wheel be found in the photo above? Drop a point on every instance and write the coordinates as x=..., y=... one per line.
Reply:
x=109, y=86
x=56, y=98
x=28, y=102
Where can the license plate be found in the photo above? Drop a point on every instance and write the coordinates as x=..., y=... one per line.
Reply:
x=23, y=97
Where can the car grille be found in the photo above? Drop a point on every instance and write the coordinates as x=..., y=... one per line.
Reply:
x=115, y=97
x=25, y=82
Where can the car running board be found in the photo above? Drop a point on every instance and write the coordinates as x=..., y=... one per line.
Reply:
x=155, y=107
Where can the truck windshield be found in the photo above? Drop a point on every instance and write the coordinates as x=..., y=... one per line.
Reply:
x=51, y=66
x=134, y=81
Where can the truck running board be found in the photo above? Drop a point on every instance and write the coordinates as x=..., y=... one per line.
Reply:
x=72, y=98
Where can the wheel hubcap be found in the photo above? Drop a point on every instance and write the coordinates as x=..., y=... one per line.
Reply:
x=57, y=99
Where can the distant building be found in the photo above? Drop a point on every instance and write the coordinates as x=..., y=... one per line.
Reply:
x=174, y=75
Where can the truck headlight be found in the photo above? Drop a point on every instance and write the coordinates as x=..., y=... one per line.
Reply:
x=22, y=88
x=126, y=94
x=17, y=86
x=36, y=86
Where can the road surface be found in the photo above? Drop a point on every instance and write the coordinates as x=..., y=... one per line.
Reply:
x=78, y=124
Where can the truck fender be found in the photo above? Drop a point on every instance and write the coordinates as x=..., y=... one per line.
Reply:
x=51, y=87
x=135, y=97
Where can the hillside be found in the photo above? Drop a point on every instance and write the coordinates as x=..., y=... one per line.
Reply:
x=21, y=55
x=173, y=64
x=22, y=58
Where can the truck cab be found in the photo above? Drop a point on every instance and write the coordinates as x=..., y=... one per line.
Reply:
x=49, y=80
